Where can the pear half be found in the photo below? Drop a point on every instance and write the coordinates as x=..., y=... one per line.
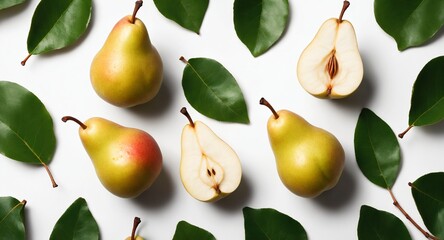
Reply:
x=209, y=167
x=331, y=66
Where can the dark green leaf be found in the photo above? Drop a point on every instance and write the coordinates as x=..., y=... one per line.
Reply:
x=269, y=224
x=57, y=24
x=10, y=3
x=187, y=13
x=376, y=149
x=428, y=192
x=77, y=223
x=26, y=128
x=411, y=23
x=427, y=103
x=375, y=224
x=213, y=91
x=260, y=23
x=12, y=219
x=186, y=231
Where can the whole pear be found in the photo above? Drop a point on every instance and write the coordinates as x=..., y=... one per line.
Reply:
x=309, y=159
x=127, y=160
x=128, y=70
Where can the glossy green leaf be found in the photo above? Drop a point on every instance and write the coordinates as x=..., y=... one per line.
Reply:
x=260, y=23
x=377, y=149
x=412, y=22
x=269, y=224
x=186, y=231
x=26, y=128
x=10, y=3
x=12, y=220
x=375, y=224
x=57, y=24
x=427, y=103
x=77, y=223
x=187, y=13
x=428, y=192
x=213, y=91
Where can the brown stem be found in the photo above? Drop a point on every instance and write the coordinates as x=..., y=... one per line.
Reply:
x=66, y=118
x=267, y=104
x=26, y=59
x=183, y=60
x=344, y=8
x=54, y=184
x=137, y=6
x=397, y=205
x=185, y=112
x=401, y=135
x=23, y=202
x=135, y=224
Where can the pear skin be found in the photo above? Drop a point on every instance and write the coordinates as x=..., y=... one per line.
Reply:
x=126, y=160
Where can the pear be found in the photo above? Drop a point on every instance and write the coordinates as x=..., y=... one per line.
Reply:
x=309, y=160
x=128, y=70
x=209, y=167
x=133, y=232
x=331, y=66
x=127, y=160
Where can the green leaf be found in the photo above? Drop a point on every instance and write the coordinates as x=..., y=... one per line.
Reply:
x=411, y=23
x=377, y=149
x=427, y=103
x=269, y=224
x=10, y=3
x=187, y=13
x=376, y=224
x=12, y=224
x=186, y=231
x=57, y=24
x=260, y=23
x=213, y=91
x=26, y=128
x=77, y=223
x=428, y=192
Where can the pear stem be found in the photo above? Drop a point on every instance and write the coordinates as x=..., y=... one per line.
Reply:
x=184, y=60
x=267, y=104
x=137, y=6
x=401, y=135
x=185, y=112
x=135, y=224
x=54, y=184
x=66, y=118
x=26, y=59
x=397, y=205
x=344, y=8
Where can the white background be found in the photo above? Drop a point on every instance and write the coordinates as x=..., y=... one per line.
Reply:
x=61, y=80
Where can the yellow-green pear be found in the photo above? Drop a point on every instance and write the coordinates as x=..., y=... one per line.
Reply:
x=331, y=66
x=133, y=232
x=128, y=70
x=209, y=167
x=309, y=159
x=127, y=160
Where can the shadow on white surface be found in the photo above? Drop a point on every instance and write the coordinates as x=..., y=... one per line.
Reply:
x=239, y=198
x=12, y=11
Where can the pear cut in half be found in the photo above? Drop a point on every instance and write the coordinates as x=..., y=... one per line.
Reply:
x=209, y=167
x=331, y=66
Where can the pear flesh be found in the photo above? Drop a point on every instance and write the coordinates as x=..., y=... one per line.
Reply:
x=331, y=66
x=127, y=70
x=209, y=167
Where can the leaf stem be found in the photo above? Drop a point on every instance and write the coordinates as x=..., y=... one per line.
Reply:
x=137, y=6
x=26, y=59
x=183, y=60
x=185, y=112
x=54, y=184
x=66, y=118
x=264, y=102
x=135, y=224
x=344, y=8
x=397, y=205
x=401, y=135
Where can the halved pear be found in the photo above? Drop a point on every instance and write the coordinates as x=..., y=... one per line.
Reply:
x=209, y=167
x=331, y=66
